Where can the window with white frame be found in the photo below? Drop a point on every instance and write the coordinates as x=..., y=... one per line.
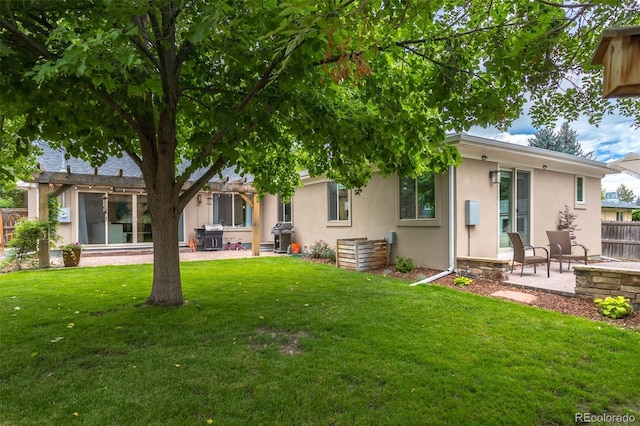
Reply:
x=580, y=190
x=231, y=210
x=619, y=216
x=418, y=197
x=284, y=210
x=339, y=202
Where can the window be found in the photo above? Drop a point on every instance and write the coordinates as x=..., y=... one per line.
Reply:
x=619, y=216
x=418, y=197
x=580, y=196
x=339, y=202
x=284, y=211
x=231, y=210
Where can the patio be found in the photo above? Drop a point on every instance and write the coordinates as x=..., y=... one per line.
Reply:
x=563, y=284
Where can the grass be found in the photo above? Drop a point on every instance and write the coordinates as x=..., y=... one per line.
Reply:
x=283, y=341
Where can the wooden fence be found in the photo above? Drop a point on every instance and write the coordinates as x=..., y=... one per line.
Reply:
x=360, y=254
x=8, y=219
x=621, y=240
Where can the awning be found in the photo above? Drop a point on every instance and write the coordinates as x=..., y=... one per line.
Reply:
x=629, y=164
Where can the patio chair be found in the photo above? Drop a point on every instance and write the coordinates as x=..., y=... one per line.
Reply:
x=520, y=255
x=560, y=246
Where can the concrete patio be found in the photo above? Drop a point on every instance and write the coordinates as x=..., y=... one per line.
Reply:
x=557, y=283
x=565, y=283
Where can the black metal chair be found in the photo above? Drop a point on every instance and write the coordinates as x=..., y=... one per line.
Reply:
x=520, y=255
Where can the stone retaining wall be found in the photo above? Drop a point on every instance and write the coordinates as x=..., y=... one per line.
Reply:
x=490, y=269
x=600, y=281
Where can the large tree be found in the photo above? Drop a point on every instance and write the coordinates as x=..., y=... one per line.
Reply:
x=18, y=156
x=271, y=86
x=564, y=140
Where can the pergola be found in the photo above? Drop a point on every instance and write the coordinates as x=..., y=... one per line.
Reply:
x=56, y=183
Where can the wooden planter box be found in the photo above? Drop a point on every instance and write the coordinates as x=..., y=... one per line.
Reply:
x=360, y=254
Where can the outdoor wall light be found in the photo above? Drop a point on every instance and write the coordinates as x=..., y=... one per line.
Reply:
x=484, y=158
x=199, y=198
x=494, y=175
x=105, y=203
x=544, y=166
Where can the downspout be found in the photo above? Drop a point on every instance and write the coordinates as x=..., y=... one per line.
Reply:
x=451, y=233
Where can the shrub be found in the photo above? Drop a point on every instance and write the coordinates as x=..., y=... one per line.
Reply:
x=462, y=281
x=321, y=250
x=25, y=241
x=404, y=264
x=614, y=307
x=567, y=222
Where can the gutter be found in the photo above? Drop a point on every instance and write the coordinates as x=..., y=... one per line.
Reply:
x=451, y=234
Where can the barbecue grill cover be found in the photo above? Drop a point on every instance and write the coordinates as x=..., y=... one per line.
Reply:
x=215, y=227
x=281, y=228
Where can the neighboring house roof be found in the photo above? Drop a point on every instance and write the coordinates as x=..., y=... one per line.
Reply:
x=615, y=204
x=510, y=153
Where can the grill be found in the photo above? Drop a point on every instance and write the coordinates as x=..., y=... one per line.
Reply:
x=209, y=237
x=281, y=237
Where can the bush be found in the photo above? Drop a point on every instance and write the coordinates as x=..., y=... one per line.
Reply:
x=404, y=264
x=25, y=240
x=614, y=307
x=321, y=250
x=462, y=281
x=567, y=222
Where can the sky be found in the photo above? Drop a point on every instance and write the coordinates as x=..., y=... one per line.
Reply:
x=614, y=138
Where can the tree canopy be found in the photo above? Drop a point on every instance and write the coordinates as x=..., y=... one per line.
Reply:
x=17, y=154
x=274, y=86
x=626, y=194
x=564, y=140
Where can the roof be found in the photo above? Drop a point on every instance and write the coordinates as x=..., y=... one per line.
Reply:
x=616, y=204
x=629, y=164
x=510, y=153
x=53, y=160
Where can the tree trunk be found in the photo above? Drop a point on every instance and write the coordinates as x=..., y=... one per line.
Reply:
x=167, y=287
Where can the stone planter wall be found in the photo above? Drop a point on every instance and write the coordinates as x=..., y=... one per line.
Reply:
x=496, y=270
x=600, y=281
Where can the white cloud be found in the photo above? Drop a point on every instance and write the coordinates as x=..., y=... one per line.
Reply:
x=614, y=138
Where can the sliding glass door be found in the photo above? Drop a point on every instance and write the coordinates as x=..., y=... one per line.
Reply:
x=515, y=205
x=116, y=218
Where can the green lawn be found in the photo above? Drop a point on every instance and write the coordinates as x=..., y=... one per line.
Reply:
x=284, y=341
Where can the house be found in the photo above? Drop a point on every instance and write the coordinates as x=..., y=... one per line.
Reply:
x=614, y=210
x=106, y=207
x=434, y=220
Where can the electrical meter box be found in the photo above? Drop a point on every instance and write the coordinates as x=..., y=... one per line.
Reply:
x=391, y=237
x=64, y=215
x=472, y=212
